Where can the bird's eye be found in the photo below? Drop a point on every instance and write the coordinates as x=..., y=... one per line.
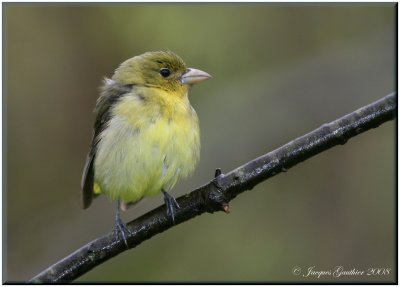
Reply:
x=165, y=72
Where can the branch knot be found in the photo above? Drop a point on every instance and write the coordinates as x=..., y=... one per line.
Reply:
x=216, y=200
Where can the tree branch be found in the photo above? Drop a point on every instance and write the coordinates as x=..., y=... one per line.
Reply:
x=215, y=195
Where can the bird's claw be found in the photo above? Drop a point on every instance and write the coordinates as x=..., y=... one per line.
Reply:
x=120, y=229
x=170, y=202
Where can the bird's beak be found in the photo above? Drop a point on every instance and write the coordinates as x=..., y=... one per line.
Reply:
x=193, y=76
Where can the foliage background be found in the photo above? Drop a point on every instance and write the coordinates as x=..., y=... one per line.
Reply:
x=279, y=71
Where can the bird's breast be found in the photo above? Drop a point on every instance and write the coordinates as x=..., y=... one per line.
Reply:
x=147, y=146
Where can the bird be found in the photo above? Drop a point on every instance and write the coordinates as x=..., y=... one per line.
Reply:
x=146, y=134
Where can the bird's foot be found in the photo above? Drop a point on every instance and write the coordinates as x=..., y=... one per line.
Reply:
x=171, y=203
x=120, y=230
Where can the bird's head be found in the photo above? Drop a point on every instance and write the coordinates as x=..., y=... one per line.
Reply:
x=164, y=70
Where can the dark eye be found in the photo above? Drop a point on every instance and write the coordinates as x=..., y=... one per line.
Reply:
x=165, y=72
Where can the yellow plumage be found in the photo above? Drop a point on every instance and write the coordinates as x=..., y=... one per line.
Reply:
x=148, y=145
x=146, y=133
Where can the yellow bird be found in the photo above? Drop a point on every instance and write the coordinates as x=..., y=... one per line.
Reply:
x=146, y=134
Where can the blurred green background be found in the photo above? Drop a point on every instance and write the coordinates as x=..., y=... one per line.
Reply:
x=279, y=71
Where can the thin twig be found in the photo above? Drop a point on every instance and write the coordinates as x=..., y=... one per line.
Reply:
x=215, y=195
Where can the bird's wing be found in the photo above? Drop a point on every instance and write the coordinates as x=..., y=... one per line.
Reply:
x=88, y=177
x=88, y=171
x=111, y=93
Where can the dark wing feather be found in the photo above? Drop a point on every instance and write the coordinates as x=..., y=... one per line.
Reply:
x=111, y=92
x=88, y=177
